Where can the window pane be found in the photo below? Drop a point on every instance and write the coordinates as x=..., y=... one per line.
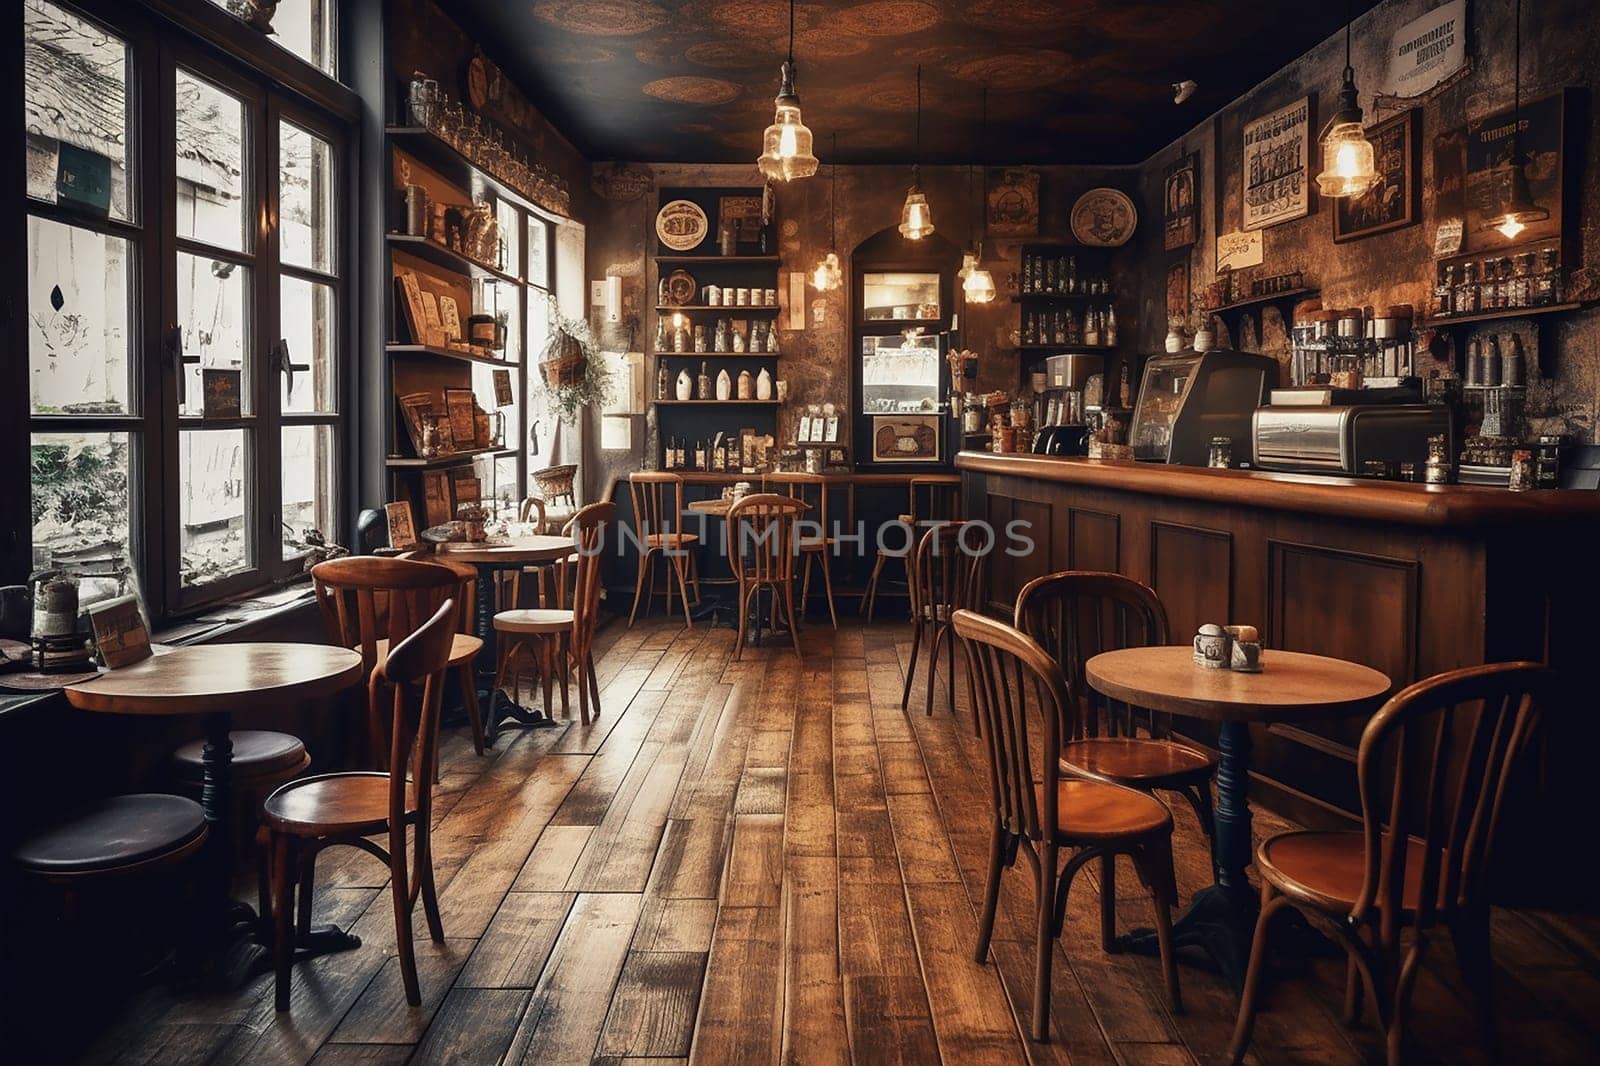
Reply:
x=77, y=320
x=506, y=500
x=502, y=419
x=212, y=310
x=307, y=486
x=212, y=206
x=214, y=533
x=305, y=194
x=80, y=496
x=538, y=252
x=304, y=28
x=309, y=330
x=76, y=94
x=510, y=243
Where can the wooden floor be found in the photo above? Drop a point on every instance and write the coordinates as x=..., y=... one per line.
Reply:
x=765, y=860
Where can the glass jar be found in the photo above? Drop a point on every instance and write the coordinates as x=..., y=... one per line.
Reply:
x=1468, y=295
x=1436, y=471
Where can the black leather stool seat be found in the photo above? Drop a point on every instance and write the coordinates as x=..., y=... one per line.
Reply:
x=257, y=753
x=117, y=832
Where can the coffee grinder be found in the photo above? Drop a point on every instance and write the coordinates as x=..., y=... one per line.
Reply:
x=1063, y=430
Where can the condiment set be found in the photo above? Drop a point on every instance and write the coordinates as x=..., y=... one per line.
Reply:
x=1236, y=648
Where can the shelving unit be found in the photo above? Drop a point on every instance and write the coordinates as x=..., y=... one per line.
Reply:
x=1089, y=263
x=418, y=157
x=1543, y=319
x=702, y=419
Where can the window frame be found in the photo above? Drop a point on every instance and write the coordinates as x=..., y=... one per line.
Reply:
x=156, y=50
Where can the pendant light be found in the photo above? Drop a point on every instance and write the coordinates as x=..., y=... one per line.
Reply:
x=977, y=284
x=786, y=146
x=916, y=217
x=1348, y=167
x=1517, y=206
x=828, y=276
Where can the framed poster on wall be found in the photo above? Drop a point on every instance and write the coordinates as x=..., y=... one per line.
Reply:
x=1277, y=153
x=1392, y=203
x=1178, y=216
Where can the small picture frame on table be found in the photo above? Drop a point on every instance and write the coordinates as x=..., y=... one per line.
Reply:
x=402, y=531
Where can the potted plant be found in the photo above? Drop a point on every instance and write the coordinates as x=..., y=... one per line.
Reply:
x=570, y=377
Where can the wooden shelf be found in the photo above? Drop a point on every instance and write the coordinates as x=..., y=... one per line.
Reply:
x=765, y=309
x=718, y=355
x=1067, y=347
x=1255, y=301
x=431, y=149
x=404, y=462
x=1444, y=321
x=449, y=259
x=715, y=403
x=1024, y=297
x=446, y=353
x=769, y=260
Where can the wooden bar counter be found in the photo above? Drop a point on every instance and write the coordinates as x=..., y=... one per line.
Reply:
x=1409, y=579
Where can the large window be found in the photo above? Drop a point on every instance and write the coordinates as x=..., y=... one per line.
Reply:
x=184, y=278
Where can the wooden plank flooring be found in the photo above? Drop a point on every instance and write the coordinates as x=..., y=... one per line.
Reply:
x=767, y=860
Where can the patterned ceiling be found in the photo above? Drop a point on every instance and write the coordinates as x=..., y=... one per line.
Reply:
x=1070, y=81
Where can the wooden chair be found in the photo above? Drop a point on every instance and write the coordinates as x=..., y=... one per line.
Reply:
x=816, y=549
x=656, y=515
x=943, y=495
x=1075, y=615
x=371, y=604
x=1084, y=817
x=464, y=653
x=313, y=813
x=945, y=575
x=550, y=626
x=1414, y=866
x=763, y=529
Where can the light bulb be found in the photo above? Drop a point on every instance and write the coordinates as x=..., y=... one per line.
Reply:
x=916, y=220
x=1510, y=228
x=827, y=276
x=1346, y=162
x=787, y=148
x=1349, y=167
x=978, y=286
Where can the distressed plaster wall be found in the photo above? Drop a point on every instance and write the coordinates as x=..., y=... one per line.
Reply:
x=1561, y=47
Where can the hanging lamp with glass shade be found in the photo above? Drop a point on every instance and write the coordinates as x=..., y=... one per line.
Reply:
x=1348, y=165
x=1517, y=207
x=916, y=217
x=786, y=146
x=977, y=284
x=827, y=276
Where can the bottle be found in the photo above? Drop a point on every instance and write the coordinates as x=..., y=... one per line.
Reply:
x=763, y=239
x=1072, y=273
x=1111, y=327
x=661, y=334
x=1125, y=390
x=700, y=455
x=661, y=380
x=670, y=458
x=703, y=389
x=719, y=343
x=727, y=240
x=772, y=336
x=1091, y=328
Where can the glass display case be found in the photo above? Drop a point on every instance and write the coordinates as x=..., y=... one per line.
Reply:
x=900, y=296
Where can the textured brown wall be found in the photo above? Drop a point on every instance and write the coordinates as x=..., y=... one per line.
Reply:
x=815, y=360
x=1561, y=42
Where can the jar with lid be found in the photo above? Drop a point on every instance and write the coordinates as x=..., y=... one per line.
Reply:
x=1521, y=470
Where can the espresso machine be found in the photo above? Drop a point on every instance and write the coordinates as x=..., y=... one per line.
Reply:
x=1063, y=427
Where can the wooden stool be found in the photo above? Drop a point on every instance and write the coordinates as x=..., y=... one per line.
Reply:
x=943, y=493
x=115, y=837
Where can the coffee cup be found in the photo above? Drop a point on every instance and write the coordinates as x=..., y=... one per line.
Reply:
x=1211, y=647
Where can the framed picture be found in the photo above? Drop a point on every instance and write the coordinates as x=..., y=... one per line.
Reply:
x=220, y=392
x=1548, y=133
x=905, y=439
x=830, y=432
x=503, y=396
x=433, y=325
x=482, y=435
x=436, y=497
x=468, y=490
x=415, y=407
x=746, y=210
x=120, y=635
x=1012, y=202
x=1179, y=215
x=411, y=302
x=836, y=458
x=1178, y=290
x=1277, y=153
x=450, y=318
x=460, y=410
x=1395, y=201
x=804, y=435
x=402, y=531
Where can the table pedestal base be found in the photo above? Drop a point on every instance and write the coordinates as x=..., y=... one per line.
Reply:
x=1219, y=921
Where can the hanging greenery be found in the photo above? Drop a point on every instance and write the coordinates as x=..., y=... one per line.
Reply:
x=571, y=376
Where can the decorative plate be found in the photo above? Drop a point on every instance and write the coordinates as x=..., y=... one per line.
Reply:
x=682, y=225
x=681, y=288
x=1104, y=217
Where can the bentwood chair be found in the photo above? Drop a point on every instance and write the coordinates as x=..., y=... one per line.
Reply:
x=551, y=627
x=657, y=513
x=815, y=548
x=464, y=653
x=763, y=528
x=1412, y=866
x=1042, y=818
x=1075, y=615
x=313, y=813
x=942, y=493
x=947, y=573
x=371, y=604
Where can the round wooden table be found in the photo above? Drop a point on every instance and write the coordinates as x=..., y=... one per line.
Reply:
x=489, y=556
x=213, y=681
x=1291, y=687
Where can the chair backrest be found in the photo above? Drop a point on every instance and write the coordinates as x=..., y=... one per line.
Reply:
x=1457, y=734
x=655, y=509
x=413, y=672
x=556, y=484
x=532, y=510
x=588, y=532
x=762, y=526
x=366, y=599
x=466, y=592
x=1077, y=614
x=810, y=489
x=948, y=569
x=942, y=493
x=1004, y=662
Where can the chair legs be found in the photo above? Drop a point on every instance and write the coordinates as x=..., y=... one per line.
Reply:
x=869, y=599
x=282, y=921
x=638, y=587
x=469, y=696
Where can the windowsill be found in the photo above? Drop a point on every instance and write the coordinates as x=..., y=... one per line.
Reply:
x=233, y=620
